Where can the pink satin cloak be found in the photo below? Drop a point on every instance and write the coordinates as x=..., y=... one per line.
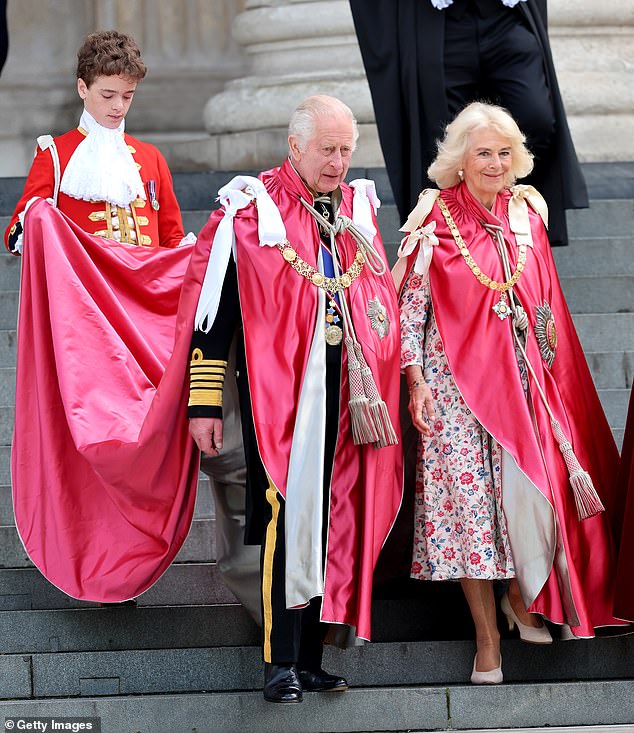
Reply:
x=279, y=313
x=481, y=354
x=104, y=472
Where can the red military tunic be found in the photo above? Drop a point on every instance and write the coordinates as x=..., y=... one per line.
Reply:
x=140, y=224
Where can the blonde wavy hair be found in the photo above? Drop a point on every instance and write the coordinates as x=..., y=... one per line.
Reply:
x=454, y=146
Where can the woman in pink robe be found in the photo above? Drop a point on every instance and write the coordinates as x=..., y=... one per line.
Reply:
x=515, y=453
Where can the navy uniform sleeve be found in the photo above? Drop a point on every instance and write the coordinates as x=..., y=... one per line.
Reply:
x=209, y=352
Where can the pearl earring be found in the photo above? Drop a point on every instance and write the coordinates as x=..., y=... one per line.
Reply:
x=461, y=174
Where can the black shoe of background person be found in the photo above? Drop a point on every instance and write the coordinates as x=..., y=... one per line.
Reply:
x=320, y=681
x=281, y=683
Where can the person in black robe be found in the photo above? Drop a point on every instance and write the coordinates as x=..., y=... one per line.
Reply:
x=425, y=64
x=4, y=34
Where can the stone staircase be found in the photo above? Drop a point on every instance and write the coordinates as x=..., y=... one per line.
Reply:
x=187, y=658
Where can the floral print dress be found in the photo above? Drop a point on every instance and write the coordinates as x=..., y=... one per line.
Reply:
x=460, y=529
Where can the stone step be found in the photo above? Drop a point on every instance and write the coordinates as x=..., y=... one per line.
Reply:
x=8, y=309
x=604, y=218
x=6, y=507
x=601, y=238
x=615, y=402
x=7, y=416
x=394, y=709
x=8, y=347
x=566, y=729
x=585, y=294
x=181, y=584
x=7, y=397
x=612, y=369
x=124, y=627
x=424, y=613
x=599, y=256
x=605, y=331
x=239, y=668
x=200, y=545
x=203, y=509
x=618, y=434
x=600, y=294
x=597, y=331
x=10, y=266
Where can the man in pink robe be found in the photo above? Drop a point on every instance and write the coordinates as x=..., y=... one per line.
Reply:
x=309, y=290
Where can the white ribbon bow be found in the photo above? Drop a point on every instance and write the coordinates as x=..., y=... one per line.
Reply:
x=271, y=229
x=426, y=240
x=365, y=196
x=518, y=212
x=417, y=233
x=235, y=195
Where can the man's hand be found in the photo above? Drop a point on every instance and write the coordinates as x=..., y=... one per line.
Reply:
x=207, y=434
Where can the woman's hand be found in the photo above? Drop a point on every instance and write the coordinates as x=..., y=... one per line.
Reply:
x=421, y=406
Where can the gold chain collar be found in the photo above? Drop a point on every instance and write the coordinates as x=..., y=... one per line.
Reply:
x=464, y=251
x=331, y=284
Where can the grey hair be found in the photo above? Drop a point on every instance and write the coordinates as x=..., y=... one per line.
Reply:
x=454, y=146
x=302, y=122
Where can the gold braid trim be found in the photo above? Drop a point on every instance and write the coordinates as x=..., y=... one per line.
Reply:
x=464, y=251
x=206, y=380
x=331, y=284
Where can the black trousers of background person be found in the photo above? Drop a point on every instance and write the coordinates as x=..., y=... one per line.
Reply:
x=4, y=34
x=403, y=47
x=296, y=636
x=491, y=54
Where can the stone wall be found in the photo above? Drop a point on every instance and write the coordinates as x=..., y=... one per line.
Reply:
x=186, y=44
x=224, y=75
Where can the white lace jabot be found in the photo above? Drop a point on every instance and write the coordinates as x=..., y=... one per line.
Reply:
x=102, y=168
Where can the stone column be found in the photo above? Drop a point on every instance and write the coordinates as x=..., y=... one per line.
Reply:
x=37, y=88
x=301, y=47
x=593, y=49
x=186, y=44
x=188, y=49
x=297, y=48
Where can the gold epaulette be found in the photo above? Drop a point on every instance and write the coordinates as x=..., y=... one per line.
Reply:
x=207, y=377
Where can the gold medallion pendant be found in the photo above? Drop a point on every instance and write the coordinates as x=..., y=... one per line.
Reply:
x=334, y=335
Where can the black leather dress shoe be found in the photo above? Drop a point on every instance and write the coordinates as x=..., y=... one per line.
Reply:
x=281, y=683
x=321, y=681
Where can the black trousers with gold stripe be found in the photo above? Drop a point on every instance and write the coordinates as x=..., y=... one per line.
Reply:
x=296, y=635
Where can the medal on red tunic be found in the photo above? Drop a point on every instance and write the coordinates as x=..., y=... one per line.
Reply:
x=151, y=189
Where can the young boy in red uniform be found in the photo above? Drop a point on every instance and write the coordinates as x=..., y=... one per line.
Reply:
x=106, y=181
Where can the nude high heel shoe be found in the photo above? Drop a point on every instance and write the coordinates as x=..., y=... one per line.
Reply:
x=530, y=634
x=491, y=677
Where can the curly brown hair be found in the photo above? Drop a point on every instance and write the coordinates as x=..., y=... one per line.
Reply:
x=109, y=53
